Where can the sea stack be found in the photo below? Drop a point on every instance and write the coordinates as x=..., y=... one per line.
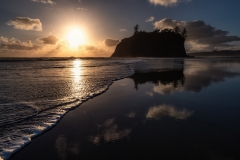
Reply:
x=165, y=43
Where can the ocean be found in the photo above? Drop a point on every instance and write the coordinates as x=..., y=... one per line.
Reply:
x=35, y=93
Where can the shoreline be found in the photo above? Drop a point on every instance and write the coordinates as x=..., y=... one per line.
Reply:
x=39, y=128
x=66, y=120
x=62, y=116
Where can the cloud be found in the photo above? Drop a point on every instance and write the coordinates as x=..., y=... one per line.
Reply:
x=26, y=23
x=89, y=47
x=150, y=19
x=123, y=30
x=53, y=50
x=83, y=9
x=166, y=110
x=111, y=42
x=48, y=40
x=44, y=1
x=93, y=51
x=167, y=3
x=15, y=44
x=201, y=36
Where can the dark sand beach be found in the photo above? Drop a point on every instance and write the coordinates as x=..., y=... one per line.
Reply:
x=153, y=118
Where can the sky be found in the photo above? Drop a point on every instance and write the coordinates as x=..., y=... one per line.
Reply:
x=93, y=28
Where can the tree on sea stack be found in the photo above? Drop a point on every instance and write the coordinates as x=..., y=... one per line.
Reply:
x=176, y=30
x=184, y=34
x=136, y=29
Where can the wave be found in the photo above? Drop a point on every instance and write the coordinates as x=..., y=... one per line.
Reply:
x=30, y=119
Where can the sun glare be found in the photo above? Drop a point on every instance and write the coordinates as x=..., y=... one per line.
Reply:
x=76, y=37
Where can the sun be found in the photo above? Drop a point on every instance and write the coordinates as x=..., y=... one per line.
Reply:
x=76, y=37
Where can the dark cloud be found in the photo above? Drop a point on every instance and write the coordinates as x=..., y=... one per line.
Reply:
x=26, y=23
x=49, y=40
x=167, y=3
x=200, y=33
x=15, y=44
x=111, y=42
x=44, y=1
x=89, y=47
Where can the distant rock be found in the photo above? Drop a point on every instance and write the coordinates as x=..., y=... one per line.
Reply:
x=167, y=43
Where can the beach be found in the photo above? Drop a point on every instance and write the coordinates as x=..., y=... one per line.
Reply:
x=119, y=79
x=177, y=113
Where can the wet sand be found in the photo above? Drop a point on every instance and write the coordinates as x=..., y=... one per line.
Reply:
x=68, y=138
x=134, y=120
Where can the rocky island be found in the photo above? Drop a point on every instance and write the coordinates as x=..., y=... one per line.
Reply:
x=164, y=43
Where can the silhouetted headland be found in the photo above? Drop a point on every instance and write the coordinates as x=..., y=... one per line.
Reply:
x=164, y=43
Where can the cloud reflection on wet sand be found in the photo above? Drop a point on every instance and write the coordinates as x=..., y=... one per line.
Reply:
x=109, y=131
x=166, y=110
